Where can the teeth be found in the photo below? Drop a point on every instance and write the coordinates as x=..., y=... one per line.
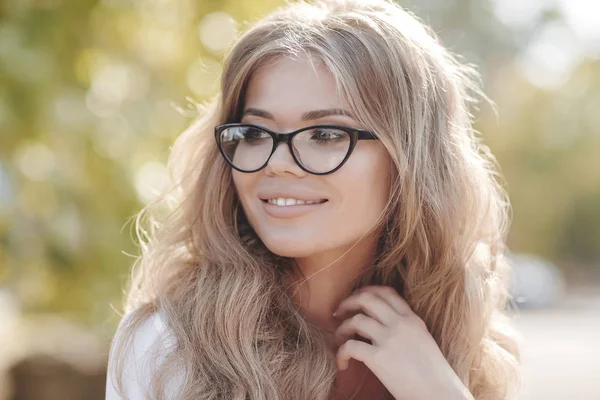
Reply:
x=290, y=202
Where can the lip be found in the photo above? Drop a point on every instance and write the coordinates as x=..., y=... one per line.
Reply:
x=291, y=194
x=294, y=211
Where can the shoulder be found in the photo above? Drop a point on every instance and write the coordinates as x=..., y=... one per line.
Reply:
x=141, y=357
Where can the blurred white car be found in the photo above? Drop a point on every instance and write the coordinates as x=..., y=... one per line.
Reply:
x=536, y=283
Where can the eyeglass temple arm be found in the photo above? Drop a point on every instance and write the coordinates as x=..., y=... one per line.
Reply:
x=366, y=135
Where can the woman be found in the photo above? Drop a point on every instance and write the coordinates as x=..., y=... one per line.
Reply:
x=361, y=258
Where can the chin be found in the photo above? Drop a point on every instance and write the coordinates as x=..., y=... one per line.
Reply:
x=284, y=248
x=289, y=251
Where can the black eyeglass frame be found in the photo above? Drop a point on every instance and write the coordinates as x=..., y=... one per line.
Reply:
x=355, y=136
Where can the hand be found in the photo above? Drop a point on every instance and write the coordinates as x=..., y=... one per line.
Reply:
x=402, y=353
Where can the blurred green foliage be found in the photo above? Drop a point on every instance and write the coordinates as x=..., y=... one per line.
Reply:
x=89, y=99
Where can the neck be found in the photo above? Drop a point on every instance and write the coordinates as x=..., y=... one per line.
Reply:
x=328, y=278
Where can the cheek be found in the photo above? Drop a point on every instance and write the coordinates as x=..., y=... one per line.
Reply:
x=364, y=196
x=238, y=184
x=361, y=190
x=244, y=187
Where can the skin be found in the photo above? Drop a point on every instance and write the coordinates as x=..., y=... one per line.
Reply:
x=357, y=194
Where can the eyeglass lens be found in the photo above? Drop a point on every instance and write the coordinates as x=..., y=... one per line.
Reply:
x=319, y=150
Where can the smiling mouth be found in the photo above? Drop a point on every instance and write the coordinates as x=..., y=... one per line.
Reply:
x=281, y=202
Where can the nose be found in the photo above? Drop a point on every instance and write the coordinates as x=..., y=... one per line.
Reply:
x=282, y=162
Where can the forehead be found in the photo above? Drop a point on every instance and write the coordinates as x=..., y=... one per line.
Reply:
x=287, y=84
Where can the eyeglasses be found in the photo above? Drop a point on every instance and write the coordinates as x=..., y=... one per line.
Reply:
x=317, y=149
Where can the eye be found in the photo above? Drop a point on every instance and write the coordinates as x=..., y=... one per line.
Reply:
x=325, y=136
x=254, y=135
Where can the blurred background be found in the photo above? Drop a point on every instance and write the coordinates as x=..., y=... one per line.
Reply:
x=93, y=93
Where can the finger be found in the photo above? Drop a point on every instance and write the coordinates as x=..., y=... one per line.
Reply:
x=356, y=349
x=362, y=325
x=391, y=296
x=371, y=304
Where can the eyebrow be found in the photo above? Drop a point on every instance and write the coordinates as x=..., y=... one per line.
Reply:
x=307, y=116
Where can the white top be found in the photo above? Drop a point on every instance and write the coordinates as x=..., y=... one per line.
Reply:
x=138, y=368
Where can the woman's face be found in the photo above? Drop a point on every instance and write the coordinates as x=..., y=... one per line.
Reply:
x=355, y=194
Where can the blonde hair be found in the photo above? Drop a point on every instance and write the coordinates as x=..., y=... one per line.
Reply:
x=219, y=289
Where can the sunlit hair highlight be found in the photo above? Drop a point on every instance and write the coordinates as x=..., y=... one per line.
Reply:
x=220, y=290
